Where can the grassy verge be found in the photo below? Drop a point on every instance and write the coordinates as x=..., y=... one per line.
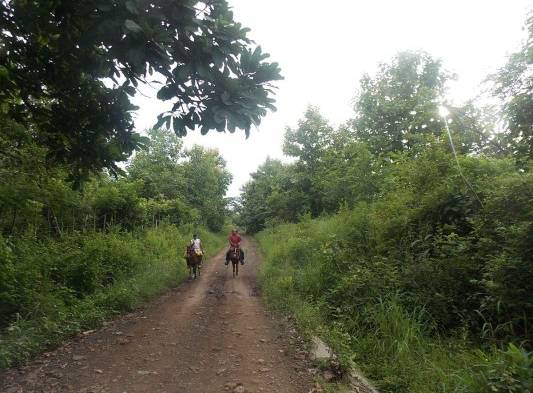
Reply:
x=54, y=289
x=367, y=324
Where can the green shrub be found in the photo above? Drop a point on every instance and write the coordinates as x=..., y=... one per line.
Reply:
x=422, y=284
x=510, y=372
x=54, y=288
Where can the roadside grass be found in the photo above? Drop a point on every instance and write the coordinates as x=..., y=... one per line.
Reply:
x=89, y=279
x=395, y=348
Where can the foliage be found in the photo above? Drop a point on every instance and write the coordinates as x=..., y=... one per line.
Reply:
x=429, y=238
x=158, y=167
x=56, y=55
x=397, y=108
x=207, y=180
x=513, y=84
x=406, y=287
x=397, y=118
x=419, y=270
x=182, y=179
x=52, y=289
x=163, y=183
x=70, y=258
x=307, y=144
x=267, y=197
x=510, y=372
x=349, y=173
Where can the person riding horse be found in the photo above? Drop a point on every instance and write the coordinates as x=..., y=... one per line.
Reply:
x=194, y=256
x=235, y=243
x=196, y=245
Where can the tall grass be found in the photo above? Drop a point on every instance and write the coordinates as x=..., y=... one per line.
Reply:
x=355, y=300
x=64, y=286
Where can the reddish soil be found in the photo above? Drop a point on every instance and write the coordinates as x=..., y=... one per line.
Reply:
x=208, y=335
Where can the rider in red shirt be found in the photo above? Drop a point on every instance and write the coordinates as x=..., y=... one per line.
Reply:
x=235, y=241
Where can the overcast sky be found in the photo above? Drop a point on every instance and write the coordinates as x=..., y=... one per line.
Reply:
x=324, y=47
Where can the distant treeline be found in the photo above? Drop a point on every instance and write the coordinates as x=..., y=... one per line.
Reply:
x=163, y=182
x=398, y=117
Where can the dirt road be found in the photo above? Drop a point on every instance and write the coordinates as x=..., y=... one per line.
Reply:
x=208, y=335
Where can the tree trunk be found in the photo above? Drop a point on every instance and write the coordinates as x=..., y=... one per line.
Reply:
x=55, y=223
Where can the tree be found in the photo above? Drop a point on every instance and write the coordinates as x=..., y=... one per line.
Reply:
x=513, y=84
x=399, y=110
x=400, y=105
x=307, y=143
x=157, y=166
x=473, y=129
x=182, y=179
x=206, y=180
x=29, y=189
x=68, y=71
x=271, y=196
x=349, y=173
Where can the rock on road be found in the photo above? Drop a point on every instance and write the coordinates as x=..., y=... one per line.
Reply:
x=208, y=335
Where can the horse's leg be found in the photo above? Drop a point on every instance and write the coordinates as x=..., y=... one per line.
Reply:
x=237, y=268
x=200, y=266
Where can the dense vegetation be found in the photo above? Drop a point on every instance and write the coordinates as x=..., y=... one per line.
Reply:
x=403, y=236
x=70, y=258
x=415, y=263
x=83, y=236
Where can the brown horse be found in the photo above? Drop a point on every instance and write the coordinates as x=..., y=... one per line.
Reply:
x=234, y=257
x=194, y=262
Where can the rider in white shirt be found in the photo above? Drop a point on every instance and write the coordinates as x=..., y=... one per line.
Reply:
x=196, y=243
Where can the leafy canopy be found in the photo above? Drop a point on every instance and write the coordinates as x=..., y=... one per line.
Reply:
x=68, y=70
x=514, y=86
x=399, y=106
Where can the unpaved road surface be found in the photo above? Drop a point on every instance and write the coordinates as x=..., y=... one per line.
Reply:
x=208, y=335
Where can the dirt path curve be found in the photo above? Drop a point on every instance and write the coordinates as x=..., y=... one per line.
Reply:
x=205, y=336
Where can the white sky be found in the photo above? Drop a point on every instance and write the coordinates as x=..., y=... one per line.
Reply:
x=324, y=47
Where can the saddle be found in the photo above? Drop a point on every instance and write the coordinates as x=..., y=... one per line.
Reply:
x=190, y=252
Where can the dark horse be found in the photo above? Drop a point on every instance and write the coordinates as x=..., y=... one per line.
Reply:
x=194, y=262
x=234, y=257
